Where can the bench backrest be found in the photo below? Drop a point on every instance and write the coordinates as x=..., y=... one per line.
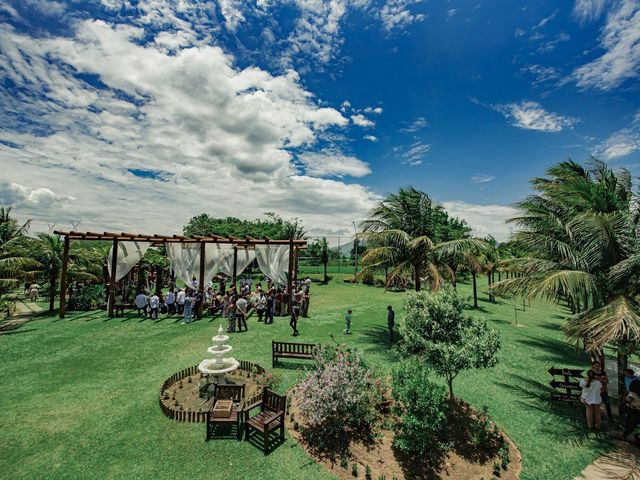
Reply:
x=273, y=402
x=289, y=347
x=234, y=393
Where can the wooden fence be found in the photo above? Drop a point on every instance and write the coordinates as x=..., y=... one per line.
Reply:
x=174, y=412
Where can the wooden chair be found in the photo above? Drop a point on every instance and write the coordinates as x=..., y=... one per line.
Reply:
x=235, y=393
x=271, y=417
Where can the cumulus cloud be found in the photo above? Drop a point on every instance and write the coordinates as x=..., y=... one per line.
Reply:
x=218, y=133
x=621, y=143
x=531, y=116
x=370, y=138
x=362, y=121
x=14, y=193
x=327, y=163
x=484, y=219
x=374, y=110
x=620, y=39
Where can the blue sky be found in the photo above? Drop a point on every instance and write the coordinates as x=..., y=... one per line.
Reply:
x=139, y=114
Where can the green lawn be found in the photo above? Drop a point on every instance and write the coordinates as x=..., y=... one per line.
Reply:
x=79, y=396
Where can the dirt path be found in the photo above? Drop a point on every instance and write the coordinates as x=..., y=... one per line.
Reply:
x=25, y=311
x=621, y=464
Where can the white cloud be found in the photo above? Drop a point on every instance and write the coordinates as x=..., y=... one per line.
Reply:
x=541, y=73
x=362, y=121
x=370, y=138
x=621, y=143
x=451, y=12
x=397, y=14
x=417, y=124
x=531, y=116
x=232, y=12
x=374, y=110
x=415, y=153
x=481, y=178
x=484, y=219
x=14, y=193
x=329, y=163
x=212, y=132
x=546, y=20
x=588, y=10
x=519, y=32
x=620, y=39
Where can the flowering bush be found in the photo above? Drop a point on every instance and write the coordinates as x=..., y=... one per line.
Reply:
x=268, y=380
x=337, y=400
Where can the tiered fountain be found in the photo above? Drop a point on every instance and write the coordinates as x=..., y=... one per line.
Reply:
x=218, y=365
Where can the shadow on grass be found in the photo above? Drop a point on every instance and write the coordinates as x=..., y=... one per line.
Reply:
x=376, y=339
x=17, y=331
x=554, y=351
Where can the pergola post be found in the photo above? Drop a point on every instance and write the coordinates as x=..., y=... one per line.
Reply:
x=290, y=276
x=201, y=281
x=63, y=278
x=235, y=266
x=112, y=279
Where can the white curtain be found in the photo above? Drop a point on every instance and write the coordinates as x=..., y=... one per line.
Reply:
x=273, y=261
x=245, y=257
x=185, y=261
x=129, y=254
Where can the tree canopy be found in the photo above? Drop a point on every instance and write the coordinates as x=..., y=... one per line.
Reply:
x=272, y=226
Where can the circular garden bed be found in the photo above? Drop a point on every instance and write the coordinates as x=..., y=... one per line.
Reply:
x=183, y=395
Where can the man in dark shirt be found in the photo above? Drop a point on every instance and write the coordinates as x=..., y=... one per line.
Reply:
x=632, y=411
x=391, y=321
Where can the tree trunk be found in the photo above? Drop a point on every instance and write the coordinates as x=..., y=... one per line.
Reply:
x=326, y=280
x=416, y=273
x=622, y=366
x=475, y=290
x=52, y=289
x=489, y=286
x=450, y=386
x=159, y=280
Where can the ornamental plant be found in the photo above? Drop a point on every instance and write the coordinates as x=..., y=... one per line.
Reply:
x=337, y=400
x=268, y=380
x=439, y=331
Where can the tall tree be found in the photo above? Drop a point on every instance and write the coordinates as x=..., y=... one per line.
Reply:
x=273, y=226
x=583, y=249
x=320, y=252
x=408, y=232
x=15, y=264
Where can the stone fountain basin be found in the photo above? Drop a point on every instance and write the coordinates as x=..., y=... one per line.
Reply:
x=228, y=365
x=220, y=338
x=219, y=351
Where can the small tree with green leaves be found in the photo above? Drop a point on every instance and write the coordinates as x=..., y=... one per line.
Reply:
x=439, y=330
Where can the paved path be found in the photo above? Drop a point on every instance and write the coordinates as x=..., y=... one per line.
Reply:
x=621, y=464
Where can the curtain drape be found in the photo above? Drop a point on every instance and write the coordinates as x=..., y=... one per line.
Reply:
x=273, y=261
x=185, y=261
x=245, y=257
x=129, y=254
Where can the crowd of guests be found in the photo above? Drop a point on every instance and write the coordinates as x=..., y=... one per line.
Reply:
x=234, y=303
x=595, y=393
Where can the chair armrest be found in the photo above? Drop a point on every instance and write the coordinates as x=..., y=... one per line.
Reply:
x=252, y=406
x=210, y=404
x=241, y=406
x=275, y=416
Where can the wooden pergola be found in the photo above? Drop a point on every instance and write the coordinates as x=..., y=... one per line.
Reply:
x=158, y=240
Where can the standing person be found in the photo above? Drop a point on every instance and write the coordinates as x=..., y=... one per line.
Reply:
x=629, y=376
x=180, y=298
x=261, y=306
x=592, y=399
x=188, y=307
x=601, y=375
x=170, y=300
x=141, y=302
x=391, y=321
x=295, y=313
x=33, y=292
x=154, y=304
x=347, y=322
x=231, y=314
x=305, y=302
x=270, y=306
x=632, y=401
x=198, y=300
x=241, y=313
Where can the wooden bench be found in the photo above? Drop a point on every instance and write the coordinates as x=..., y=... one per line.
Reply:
x=269, y=419
x=302, y=351
x=119, y=308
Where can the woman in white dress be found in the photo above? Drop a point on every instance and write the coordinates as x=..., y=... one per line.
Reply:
x=592, y=399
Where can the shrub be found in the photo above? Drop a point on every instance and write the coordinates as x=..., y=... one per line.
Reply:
x=7, y=307
x=504, y=456
x=367, y=472
x=422, y=407
x=165, y=395
x=344, y=461
x=496, y=469
x=268, y=380
x=337, y=399
x=86, y=298
x=354, y=469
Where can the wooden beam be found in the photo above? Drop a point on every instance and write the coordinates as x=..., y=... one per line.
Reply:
x=201, y=282
x=112, y=278
x=63, y=278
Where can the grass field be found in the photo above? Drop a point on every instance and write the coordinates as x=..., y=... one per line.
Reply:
x=79, y=395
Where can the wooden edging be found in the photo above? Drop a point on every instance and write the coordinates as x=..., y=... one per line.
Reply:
x=174, y=412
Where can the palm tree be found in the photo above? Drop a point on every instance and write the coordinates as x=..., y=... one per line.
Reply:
x=581, y=232
x=14, y=262
x=405, y=232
